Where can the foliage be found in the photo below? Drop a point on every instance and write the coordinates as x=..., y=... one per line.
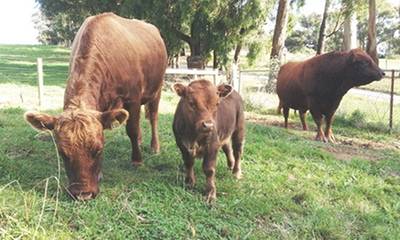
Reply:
x=205, y=26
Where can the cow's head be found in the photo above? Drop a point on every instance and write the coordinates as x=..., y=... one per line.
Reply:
x=200, y=101
x=363, y=69
x=80, y=142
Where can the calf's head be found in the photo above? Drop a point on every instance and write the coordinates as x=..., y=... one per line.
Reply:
x=200, y=101
x=80, y=142
x=363, y=69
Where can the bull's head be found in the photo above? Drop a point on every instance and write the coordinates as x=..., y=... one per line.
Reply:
x=80, y=142
x=200, y=101
x=363, y=69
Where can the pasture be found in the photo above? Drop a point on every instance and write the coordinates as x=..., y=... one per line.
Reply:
x=292, y=186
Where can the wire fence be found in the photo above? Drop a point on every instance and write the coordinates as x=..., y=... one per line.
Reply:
x=376, y=105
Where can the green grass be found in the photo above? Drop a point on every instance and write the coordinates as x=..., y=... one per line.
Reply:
x=292, y=188
x=18, y=64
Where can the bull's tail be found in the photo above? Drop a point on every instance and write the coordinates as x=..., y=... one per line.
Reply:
x=279, y=109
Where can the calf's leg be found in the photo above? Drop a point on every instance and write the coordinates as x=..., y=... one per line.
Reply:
x=152, y=115
x=133, y=131
x=237, y=145
x=229, y=155
x=209, y=163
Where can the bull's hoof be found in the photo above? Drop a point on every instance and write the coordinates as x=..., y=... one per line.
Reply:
x=137, y=164
x=237, y=174
x=321, y=138
x=331, y=138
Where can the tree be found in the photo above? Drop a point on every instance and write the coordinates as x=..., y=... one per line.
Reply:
x=279, y=36
x=205, y=25
x=321, y=35
x=371, y=43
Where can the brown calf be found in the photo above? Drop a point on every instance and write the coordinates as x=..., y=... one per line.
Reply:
x=319, y=84
x=208, y=118
x=116, y=66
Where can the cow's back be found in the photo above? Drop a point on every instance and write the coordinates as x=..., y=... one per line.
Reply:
x=128, y=54
x=230, y=115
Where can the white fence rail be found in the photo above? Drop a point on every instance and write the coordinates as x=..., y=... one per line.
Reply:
x=194, y=71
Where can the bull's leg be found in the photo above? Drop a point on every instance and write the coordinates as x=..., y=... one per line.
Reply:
x=209, y=163
x=303, y=119
x=152, y=115
x=317, y=116
x=286, y=115
x=229, y=155
x=132, y=129
x=237, y=145
x=328, y=128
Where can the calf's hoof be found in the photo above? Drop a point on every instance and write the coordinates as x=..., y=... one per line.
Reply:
x=211, y=196
x=237, y=174
x=190, y=182
x=136, y=164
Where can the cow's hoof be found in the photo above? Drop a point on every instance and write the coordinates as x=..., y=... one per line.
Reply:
x=211, y=196
x=137, y=163
x=155, y=150
x=321, y=138
x=230, y=165
x=237, y=174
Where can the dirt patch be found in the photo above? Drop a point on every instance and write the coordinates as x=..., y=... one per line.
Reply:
x=345, y=148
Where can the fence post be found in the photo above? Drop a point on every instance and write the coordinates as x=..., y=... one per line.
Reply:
x=235, y=77
x=391, y=103
x=215, y=76
x=40, y=80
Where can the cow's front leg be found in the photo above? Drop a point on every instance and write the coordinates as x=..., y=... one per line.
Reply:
x=152, y=115
x=328, y=128
x=209, y=163
x=133, y=131
x=303, y=119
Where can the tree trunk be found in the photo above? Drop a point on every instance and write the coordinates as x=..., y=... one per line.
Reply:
x=371, y=42
x=322, y=29
x=278, y=40
x=215, y=59
x=350, y=33
x=237, y=53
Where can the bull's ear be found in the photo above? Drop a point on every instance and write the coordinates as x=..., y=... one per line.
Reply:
x=40, y=121
x=113, y=118
x=224, y=90
x=180, y=89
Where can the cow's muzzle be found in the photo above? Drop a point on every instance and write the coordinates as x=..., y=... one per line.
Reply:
x=207, y=126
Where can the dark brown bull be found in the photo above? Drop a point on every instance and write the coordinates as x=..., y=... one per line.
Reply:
x=116, y=66
x=208, y=118
x=318, y=84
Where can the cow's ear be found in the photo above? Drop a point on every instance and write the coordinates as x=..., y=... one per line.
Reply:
x=180, y=89
x=224, y=90
x=40, y=121
x=113, y=118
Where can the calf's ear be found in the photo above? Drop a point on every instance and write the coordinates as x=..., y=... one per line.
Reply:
x=224, y=90
x=113, y=118
x=180, y=89
x=40, y=121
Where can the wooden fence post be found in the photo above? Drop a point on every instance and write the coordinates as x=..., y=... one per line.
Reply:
x=40, y=80
x=391, y=103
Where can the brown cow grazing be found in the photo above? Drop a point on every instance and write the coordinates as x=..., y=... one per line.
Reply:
x=208, y=118
x=319, y=83
x=116, y=66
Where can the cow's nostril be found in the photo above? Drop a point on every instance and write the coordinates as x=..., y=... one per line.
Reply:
x=208, y=124
x=383, y=73
x=85, y=196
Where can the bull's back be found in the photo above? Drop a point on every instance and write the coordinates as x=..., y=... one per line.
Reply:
x=289, y=86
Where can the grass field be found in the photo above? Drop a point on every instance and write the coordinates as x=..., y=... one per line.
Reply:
x=292, y=188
